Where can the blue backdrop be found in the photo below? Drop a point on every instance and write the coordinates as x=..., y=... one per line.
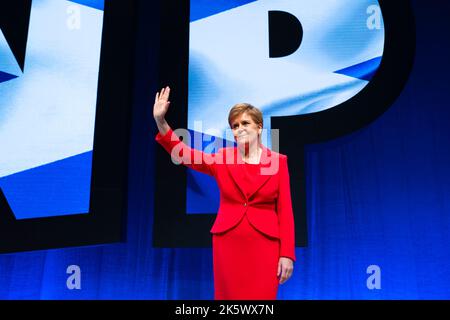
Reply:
x=380, y=196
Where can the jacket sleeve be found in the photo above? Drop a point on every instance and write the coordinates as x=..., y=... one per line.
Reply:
x=181, y=153
x=285, y=213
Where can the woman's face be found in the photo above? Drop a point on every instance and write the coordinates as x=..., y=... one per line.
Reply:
x=245, y=130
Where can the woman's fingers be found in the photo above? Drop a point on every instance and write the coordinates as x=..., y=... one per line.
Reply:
x=285, y=271
x=283, y=275
x=279, y=269
x=163, y=95
x=166, y=93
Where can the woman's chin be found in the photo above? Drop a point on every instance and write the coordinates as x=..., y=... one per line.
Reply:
x=243, y=142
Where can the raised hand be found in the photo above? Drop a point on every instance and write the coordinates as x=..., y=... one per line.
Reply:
x=161, y=104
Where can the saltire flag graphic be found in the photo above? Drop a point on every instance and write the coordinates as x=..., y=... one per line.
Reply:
x=328, y=53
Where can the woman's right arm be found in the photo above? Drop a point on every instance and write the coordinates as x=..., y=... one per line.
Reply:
x=179, y=151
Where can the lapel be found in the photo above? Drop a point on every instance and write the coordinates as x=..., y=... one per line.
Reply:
x=236, y=170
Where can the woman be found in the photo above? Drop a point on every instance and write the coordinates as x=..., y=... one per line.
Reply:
x=253, y=234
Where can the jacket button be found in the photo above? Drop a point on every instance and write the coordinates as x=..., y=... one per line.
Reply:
x=245, y=204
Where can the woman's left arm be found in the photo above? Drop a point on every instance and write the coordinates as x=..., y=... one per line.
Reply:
x=286, y=223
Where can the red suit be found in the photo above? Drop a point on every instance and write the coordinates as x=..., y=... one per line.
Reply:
x=255, y=223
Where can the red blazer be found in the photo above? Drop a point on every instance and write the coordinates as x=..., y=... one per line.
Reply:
x=268, y=204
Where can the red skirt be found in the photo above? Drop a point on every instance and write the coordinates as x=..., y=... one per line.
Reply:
x=245, y=263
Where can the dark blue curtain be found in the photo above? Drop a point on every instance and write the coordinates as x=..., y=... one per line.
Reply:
x=380, y=196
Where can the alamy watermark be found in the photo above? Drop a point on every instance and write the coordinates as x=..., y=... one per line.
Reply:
x=374, y=20
x=73, y=21
x=74, y=280
x=222, y=149
x=374, y=280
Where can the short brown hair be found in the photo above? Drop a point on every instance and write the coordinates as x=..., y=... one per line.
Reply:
x=252, y=111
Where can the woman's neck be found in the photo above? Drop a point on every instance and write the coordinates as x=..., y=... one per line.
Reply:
x=251, y=154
